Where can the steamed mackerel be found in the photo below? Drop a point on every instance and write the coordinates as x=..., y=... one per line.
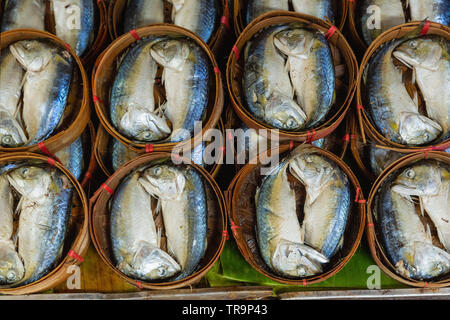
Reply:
x=199, y=16
x=45, y=209
x=135, y=239
x=392, y=110
x=72, y=158
x=280, y=237
x=255, y=8
x=391, y=14
x=268, y=90
x=327, y=205
x=186, y=79
x=47, y=82
x=322, y=9
x=141, y=13
x=380, y=159
x=182, y=199
x=12, y=133
x=429, y=56
x=133, y=108
x=311, y=69
x=433, y=10
x=406, y=241
x=11, y=266
x=74, y=22
x=21, y=14
x=430, y=181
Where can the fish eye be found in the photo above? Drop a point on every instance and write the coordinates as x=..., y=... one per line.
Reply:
x=147, y=135
x=11, y=275
x=308, y=159
x=413, y=44
x=410, y=173
x=162, y=271
x=157, y=171
x=24, y=171
x=291, y=123
x=7, y=139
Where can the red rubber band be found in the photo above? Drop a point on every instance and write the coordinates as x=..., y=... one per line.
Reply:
x=304, y=282
x=236, y=52
x=370, y=225
x=217, y=70
x=229, y=136
x=135, y=35
x=357, y=196
x=291, y=145
x=330, y=32
x=88, y=175
x=51, y=161
x=76, y=256
x=44, y=150
x=148, y=148
x=68, y=47
x=97, y=99
x=310, y=136
x=225, y=22
x=360, y=107
x=426, y=285
x=108, y=189
x=139, y=285
x=225, y=234
x=425, y=29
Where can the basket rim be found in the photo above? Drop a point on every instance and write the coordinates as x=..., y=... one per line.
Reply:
x=375, y=246
x=125, y=41
x=79, y=245
x=56, y=141
x=117, y=177
x=349, y=57
x=365, y=124
x=359, y=209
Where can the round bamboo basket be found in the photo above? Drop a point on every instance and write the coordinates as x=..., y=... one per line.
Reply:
x=344, y=60
x=239, y=10
x=116, y=11
x=373, y=236
x=240, y=197
x=104, y=78
x=77, y=114
x=359, y=44
x=365, y=125
x=102, y=151
x=77, y=237
x=217, y=223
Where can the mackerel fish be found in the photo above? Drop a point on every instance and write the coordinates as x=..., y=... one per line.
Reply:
x=141, y=13
x=21, y=14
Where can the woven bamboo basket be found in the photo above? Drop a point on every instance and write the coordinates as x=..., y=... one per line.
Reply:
x=217, y=223
x=337, y=141
x=240, y=197
x=77, y=114
x=365, y=125
x=104, y=77
x=102, y=151
x=359, y=44
x=77, y=237
x=117, y=8
x=239, y=9
x=343, y=57
x=373, y=236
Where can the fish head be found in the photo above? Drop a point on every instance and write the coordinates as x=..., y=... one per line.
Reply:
x=292, y=260
x=171, y=53
x=426, y=261
x=419, y=180
x=33, y=55
x=421, y=52
x=32, y=181
x=143, y=125
x=311, y=169
x=294, y=42
x=163, y=181
x=11, y=132
x=11, y=266
x=153, y=263
x=284, y=113
x=416, y=129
